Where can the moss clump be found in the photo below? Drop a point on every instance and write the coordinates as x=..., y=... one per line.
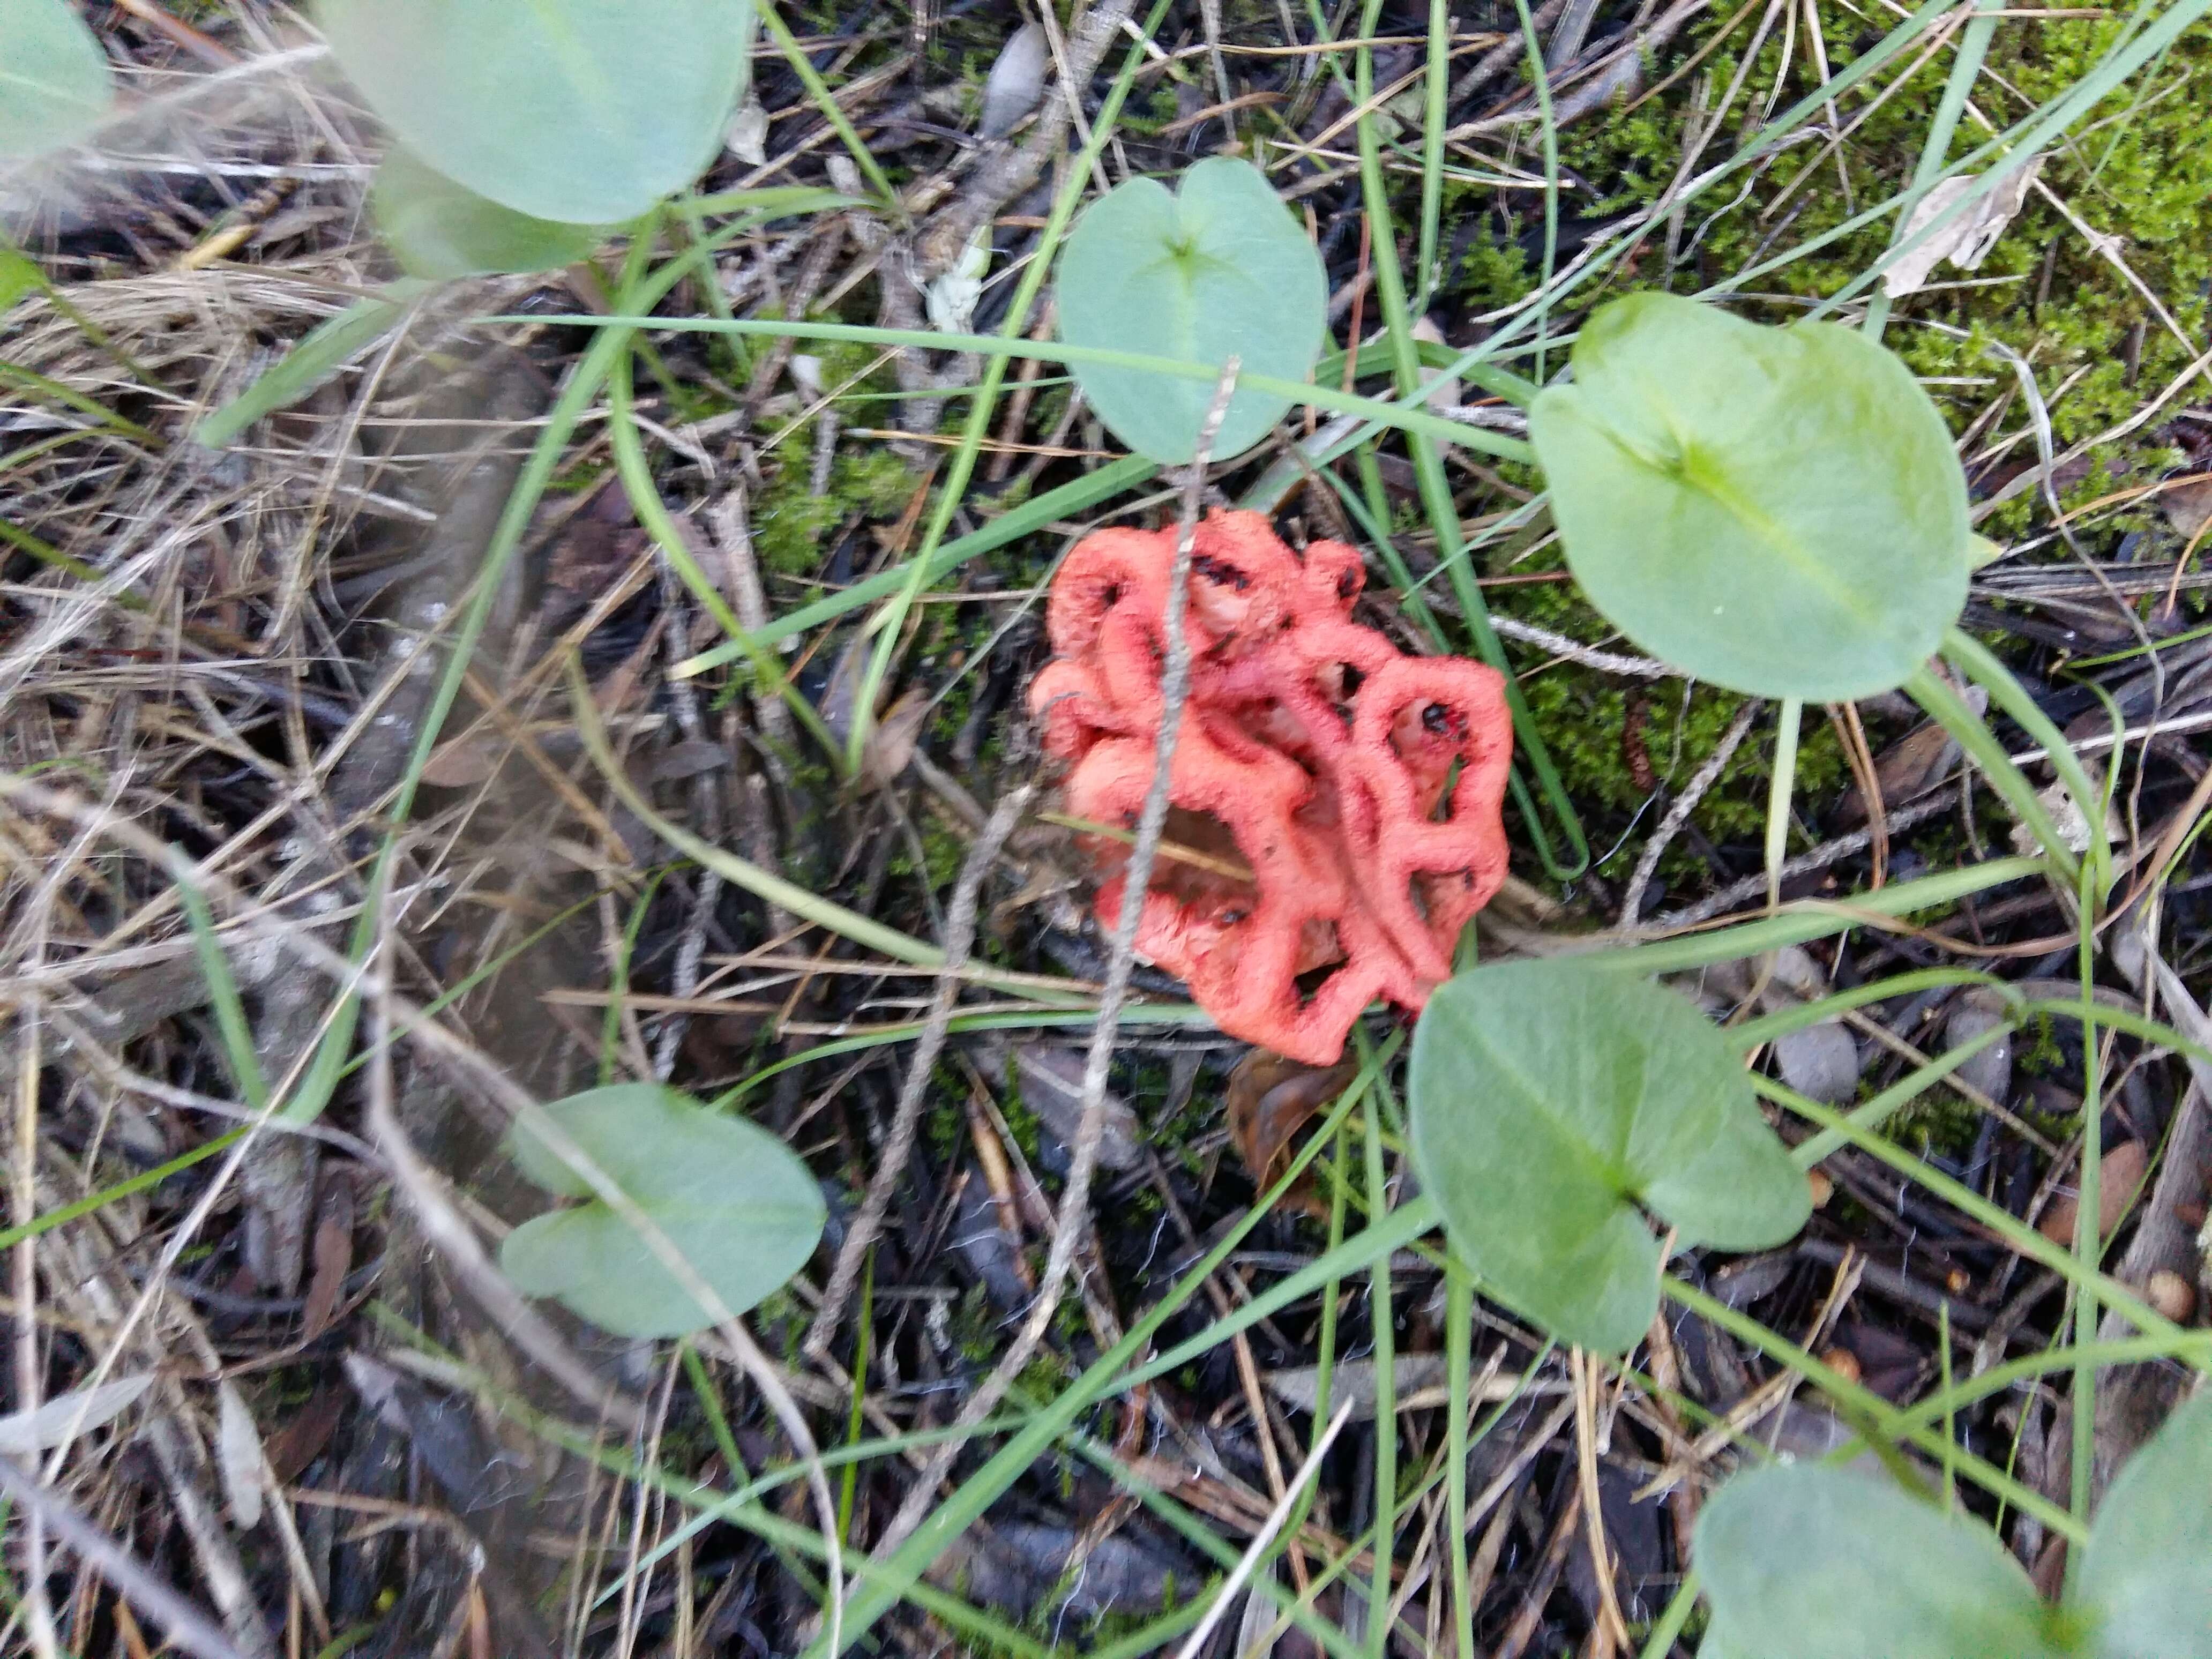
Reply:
x=793, y=527
x=1937, y=1123
x=941, y=850
x=2138, y=167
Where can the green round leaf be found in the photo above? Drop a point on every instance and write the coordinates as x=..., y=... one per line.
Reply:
x=55, y=84
x=2146, y=1586
x=1552, y=1103
x=437, y=228
x=1221, y=270
x=587, y=111
x=1806, y=1562
x=742, y=1209
x=1777, y=510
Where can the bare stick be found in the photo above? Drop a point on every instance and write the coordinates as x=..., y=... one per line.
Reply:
x=1074, y=1216
x=1895, y=823
x=181, y=1623
x=1589, y=656
x=1266, y=1535
x=1678, y=813
x=906, y=1116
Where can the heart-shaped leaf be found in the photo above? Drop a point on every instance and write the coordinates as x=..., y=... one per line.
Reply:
x=55, y=84
x=438, y=229
x=732, y=1198
x=1777, y=510
x=1806, y=1562
x=1552, y=1102
x=2146, y=1587
x=587, y=111
x=1220, y=270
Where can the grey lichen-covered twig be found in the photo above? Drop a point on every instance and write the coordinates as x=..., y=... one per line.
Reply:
x=1678, y=813
x=181, y=1624
x=278, y=1178
x=906, y=1115
x=1072, y=1224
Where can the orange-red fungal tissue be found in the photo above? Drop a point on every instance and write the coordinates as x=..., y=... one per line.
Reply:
x=1334, y=804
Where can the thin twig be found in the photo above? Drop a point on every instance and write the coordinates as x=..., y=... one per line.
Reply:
x=1075, y=1201
x=1587, y=656
x=179, y=1620
x=1266, y=1535
x=906, y=1116
x=1805, y=864
x=1678, y=813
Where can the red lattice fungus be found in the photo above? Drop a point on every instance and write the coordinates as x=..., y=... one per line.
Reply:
x=1333, y=803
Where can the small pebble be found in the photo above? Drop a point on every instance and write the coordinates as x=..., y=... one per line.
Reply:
x=2171, y=1294
x=2120, y=1173
x=1842, y=1361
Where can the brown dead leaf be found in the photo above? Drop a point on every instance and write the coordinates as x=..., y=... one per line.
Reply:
x=1908, y=769
x=305, y=1434
x=464, y=761
x=842, y=694
x=1270, y=1100
x=892, y=739
x=2119, y=1174
x=333, y=1256
x=1051, y=1080
x=2188, y=507
x=893, y=733
x=595, y=546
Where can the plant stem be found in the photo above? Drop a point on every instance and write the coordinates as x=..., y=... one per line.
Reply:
x=1783, y=783
x=1950, y=711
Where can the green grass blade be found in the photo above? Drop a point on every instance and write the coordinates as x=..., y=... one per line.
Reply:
x=636, y=472
x=890, y=627
x=1435, y=89
x=1965, y=67
x=826, y=100
x=231, y=1024
x=1974, y=660
x=2015, y=1233
x=895, y=1578
x=1409, y=417
x=1811, y=919
x=1031, y=516
x=1540, y=72
x=1435, y=490
x=68, y=397
x=1949, y=710
x=322, y=351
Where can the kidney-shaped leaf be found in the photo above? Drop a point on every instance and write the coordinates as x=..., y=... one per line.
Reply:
x=1553, y=1101
x=584, y=111
x=437, y=228
x=2146, y=1586
x=1777, y=510
x=1220, y=270
x=732, y=1198
x=1815, y=1563
x=55, y=84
